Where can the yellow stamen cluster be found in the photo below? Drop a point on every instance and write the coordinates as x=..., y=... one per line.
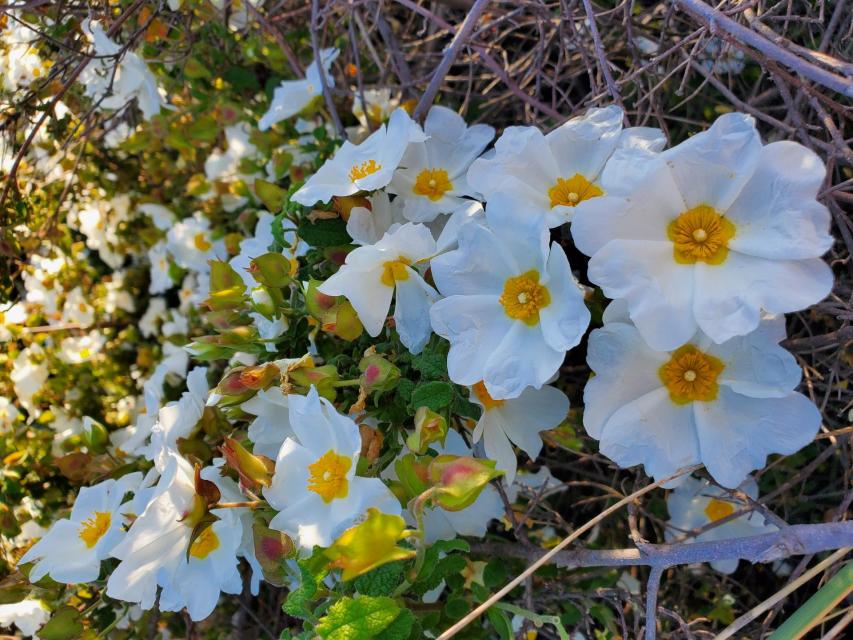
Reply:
x=359, y=171
x=328, y=476
x=394, y=271
x=432, y=183
x=700, y=234
x=95, y=527
x=569, y=192
x=691, y=375
x=206, y=543
x=201, y=242
x=523, y=297
x=483, y=396
x=719, y=509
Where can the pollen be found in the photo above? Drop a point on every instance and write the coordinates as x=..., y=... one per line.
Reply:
x=719, y=509
x=691, y=375
x=700, y=234
x=432, y=183
x=95, y=527
x=328, y=476
x=366, y=168
x=201, y=242
x=523, y=297
x=569, y=192
x=206, y=543
x=394, y=271
x=483, y=396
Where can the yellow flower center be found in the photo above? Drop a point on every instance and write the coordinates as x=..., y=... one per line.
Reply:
x=523, y=297
x=359, y=171
x=432, y=183
x=700, y=234
x=719, y=509
x=95, y=527
x=394, y=271
x=201, y=242
x=569, y=192
x=691, y=375
x=205, y=543
x=328, y=476
x=85, y=353
x=483, y=396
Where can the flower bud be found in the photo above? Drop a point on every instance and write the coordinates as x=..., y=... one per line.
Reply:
x=369, y=544
x=243, y=379
x=378, y=374
x=255, y=471
x=95, y=435
x=460, y=480
x=272, y=548
x=262, y=301
x=272, y=269
x=413, y=475
x=323, y=378
x=429, y=427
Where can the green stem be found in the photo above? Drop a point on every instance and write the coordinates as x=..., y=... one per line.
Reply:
x=347, y=383
x=537, y=619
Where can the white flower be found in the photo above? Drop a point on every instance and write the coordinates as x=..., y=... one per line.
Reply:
x=292, y=96
x=513, y=307
x=178, y=419
x=28, y=615
x=549, y=178
x=172, y=366
x=364, y=167
x=225, y=165
x=8, y=414
x=431, y=177
x=21, y=62
x=314, y=486
x=155, y=313
x=74, y=547
x=162, y=217
x=192, y=245
x=372, y=274
x=158, y=257
x=29, y=373
x=15, y=314
x=117, y=295
x=695, y=504
x=380, y=104
x=726, y=406
x=271, y=425
x=65, y=425
x=156, y=551
x=131, y=79
x=76, y=309
x=516, y=421
x=79, y=349
x=720, y=228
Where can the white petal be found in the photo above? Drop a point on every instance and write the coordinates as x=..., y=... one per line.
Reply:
x=712, y=167
x=533, y=411
x=625, y=369
x=411, y=311
x=522, y=359
x=729, y=297
x=498, y=447
x=776, y=215
x=480, y=265
x=582, y=145
x=370, y=298
x=659, y=291
x=737, y=433
x=565, y=319
x=475, y=326
x=652, y=431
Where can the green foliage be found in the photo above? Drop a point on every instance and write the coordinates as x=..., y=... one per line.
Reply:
x=362, y=618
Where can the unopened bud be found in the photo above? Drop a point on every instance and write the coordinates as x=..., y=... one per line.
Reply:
x=460, y=480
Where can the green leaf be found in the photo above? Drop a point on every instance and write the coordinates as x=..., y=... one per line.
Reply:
x=204, y=129
x=297, y=601
x=500, y=621
x=494, y=574
x=358, y=619
x=400, y=629
x=381, y=581
x=241, y=79
x=431, y=364
x=65, y=624
x=456, y=608
x=818, y=606
x=433, y=395
x=324, y=233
